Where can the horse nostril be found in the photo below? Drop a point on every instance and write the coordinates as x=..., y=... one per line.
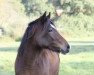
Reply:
x=68, y=47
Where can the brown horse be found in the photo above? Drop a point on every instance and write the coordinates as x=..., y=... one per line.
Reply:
x=40, y=47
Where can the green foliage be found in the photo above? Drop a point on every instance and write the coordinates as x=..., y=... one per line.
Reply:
x=12, y=18
x=37, y=7
x=78, y=6
x=78, y=26
x=76, y=20
x=6, y=39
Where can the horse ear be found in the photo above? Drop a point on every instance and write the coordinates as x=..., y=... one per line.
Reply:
x=43, y=17
x=49, y=15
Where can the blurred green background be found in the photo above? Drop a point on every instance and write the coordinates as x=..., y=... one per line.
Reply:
x=74, y=20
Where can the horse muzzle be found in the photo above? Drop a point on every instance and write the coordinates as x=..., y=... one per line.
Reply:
x=65, y=50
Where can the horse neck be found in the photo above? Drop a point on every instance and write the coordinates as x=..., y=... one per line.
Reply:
x=29, y=51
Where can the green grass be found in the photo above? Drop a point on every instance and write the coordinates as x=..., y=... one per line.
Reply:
x=80, y=60
x=7, y=59
x=77, y=64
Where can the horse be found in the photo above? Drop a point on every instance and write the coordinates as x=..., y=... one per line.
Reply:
x=40, y=47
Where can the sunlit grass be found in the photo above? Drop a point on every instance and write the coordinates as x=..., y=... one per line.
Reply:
x=77, y=64
x=7, y=61
x=9, y=44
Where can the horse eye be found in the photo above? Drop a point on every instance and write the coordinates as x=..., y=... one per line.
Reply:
x=50, y=30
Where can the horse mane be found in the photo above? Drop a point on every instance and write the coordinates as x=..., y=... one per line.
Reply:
x=25, y=37
x=32, y=26
x=36, y=24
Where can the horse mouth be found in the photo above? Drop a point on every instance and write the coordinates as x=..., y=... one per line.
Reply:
x=64, y=51
x=59, y=50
